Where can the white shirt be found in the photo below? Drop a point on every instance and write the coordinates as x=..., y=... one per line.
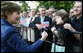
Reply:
x=42, y=19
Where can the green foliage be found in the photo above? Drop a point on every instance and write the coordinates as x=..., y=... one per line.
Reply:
x=67, y=5
x=24, y=6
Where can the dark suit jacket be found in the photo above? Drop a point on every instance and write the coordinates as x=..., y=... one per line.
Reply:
x=37, y=20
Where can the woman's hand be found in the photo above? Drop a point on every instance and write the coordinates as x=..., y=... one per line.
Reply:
x=44, y=36
x=53, y=28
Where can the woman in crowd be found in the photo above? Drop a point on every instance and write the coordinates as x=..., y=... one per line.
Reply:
x=11, y=40
x=23, y=23
x=64, y=38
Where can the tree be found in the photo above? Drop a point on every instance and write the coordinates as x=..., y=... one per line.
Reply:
x=24, y=6
x=67, y=5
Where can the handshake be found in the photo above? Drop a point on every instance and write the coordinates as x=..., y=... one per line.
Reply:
x=44, y=36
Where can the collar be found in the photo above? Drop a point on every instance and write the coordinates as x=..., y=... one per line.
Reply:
x=78, y=19
x=4, y=22
x=42, y=17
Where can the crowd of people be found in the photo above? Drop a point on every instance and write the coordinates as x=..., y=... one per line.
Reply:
x=38, y=30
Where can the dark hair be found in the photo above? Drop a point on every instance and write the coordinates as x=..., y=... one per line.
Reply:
x=42, y=7
x=8, y=7
x=31, y=10
x=51, y=7
x=64, y=16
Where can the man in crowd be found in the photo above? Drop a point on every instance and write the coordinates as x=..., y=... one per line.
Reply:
x=71, y=14
x=76, y=25
x=30, y=32
x=47, y=13
x=51, y=10
x=39, y=28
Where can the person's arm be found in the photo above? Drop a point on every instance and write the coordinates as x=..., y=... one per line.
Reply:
x=50, y=25
x=79, y=28
x=16, y=42
x=62, y=33
x=69, y=27
x=34, y=25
